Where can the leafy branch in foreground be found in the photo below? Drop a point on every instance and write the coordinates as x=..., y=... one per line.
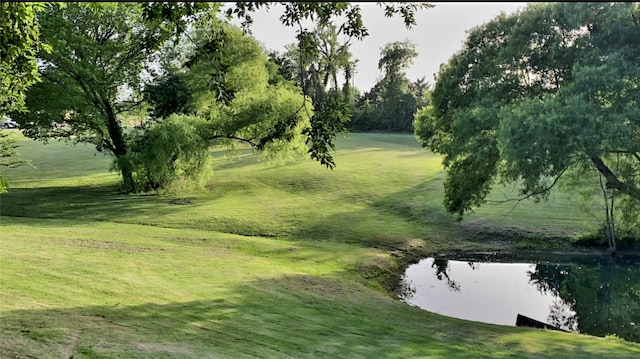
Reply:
x=8, y=152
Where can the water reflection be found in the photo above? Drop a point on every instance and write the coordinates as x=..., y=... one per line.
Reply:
x=596, y=296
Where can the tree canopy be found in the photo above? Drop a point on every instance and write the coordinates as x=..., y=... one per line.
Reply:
x=328, y=121
x=100, y=51
x=532, y=95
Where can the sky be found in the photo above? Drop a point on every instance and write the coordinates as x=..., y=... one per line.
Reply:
x=440, y=32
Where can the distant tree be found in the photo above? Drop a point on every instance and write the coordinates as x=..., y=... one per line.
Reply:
x=420, y=88
x=537, y=93
x=285, y=67
x=397, y=104
x=392, y=102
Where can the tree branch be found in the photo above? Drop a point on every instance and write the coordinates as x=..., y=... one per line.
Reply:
x=612, y=180
x=234, y=137
x=634, y=154
x=536, y=193
x=132, y=104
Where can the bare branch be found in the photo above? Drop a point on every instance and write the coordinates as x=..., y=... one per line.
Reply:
x=536, y=193
x=131, y=105
x=234, y=137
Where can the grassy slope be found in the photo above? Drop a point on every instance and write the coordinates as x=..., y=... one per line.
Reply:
x=86, y=271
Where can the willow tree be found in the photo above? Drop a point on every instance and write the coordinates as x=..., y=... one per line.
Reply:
x=532, y=95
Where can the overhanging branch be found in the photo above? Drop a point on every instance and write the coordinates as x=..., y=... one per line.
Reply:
x=536, y=193
x=234, y=137
x=612, y=180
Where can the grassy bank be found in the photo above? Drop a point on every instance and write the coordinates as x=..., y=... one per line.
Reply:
x=267, y=261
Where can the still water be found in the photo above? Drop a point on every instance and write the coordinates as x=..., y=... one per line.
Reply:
x=596, y=296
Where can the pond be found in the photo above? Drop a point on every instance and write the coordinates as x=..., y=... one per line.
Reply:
x=591, y=295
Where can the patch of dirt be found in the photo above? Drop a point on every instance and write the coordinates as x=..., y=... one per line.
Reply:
x=180, y=201
x=105, y=245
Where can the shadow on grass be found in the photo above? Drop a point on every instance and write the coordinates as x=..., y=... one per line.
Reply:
x=388, y=222
x=79, y=203
x=290, y=317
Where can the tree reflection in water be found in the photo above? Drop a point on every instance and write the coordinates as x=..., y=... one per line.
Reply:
x=598, y=296
x=604, y=295
x=441, y=266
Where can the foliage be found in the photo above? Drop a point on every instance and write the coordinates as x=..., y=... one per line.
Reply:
x=391, y=104
x=534, y=94
x=248, y=116
x=164, y=152
x=331, y=114
x=7, y=157
x=98, y=50
x=20, y=44
x=281, y=68
x=168, y=94
x=318, y=57
x=336, y=56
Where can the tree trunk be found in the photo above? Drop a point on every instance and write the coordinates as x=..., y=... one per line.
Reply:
x=610, y=230
x=119, y=147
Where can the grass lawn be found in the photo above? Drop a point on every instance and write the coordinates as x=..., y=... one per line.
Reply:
x=267, y=261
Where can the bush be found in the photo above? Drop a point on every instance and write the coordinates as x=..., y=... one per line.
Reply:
x=174, y=151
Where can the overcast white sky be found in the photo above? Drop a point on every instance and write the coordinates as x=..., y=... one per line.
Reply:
x=439, y=33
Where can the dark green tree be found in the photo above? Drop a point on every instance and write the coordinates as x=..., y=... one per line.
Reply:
x=534, y=94
x=168, y=94
x=284, y=68
x=392, y=102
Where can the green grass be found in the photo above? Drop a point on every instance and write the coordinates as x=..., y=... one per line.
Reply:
x=266, y=262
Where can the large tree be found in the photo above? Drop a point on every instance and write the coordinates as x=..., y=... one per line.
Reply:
x=531, y=95
x=171, y=147
x=98, y=51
